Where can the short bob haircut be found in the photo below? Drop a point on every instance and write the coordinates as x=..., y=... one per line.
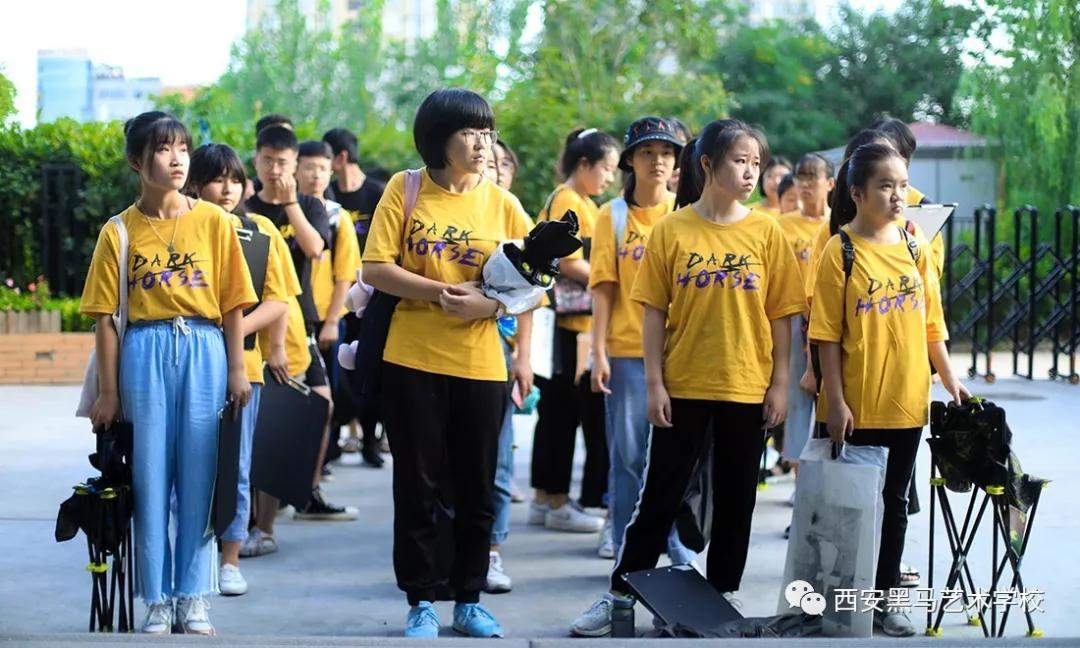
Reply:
x=278, y=138
x=316, y=148
x=343, y=139
x=443, y=113
x=210, y=162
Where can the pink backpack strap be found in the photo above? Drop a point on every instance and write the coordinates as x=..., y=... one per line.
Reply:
x=413, y=179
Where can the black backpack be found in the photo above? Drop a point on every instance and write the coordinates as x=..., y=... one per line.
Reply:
x=365, y=381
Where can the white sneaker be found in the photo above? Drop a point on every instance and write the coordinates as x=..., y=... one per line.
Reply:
x=230, y=581
x=606, y=550
x=569, y=517
x=258, y=544
x=596, y=621
x=193, y=616
x=498, y=582
x=538, y=512
x=159, y=618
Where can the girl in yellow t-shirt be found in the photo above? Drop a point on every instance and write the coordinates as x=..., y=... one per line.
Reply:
x=217, y=176
x=813, y=181
x=718, y=284
x=588, y=162
x=444, y=374
x=875, y=327
x=176, y=370
x=618, y=371
x=768, y=184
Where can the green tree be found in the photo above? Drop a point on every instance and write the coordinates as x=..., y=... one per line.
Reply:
x=7, y=97
x=1024, y=94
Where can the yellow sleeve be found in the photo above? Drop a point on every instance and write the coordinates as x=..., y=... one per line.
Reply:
x=652, y=286
x=565, y=199
x=346, y=257
x=101, y=292
x=384, y=238
x=602, y=261
x=937, y=254
x=827, y=309
x=275, y=287
x=784, y=287
x=520, y=223
x=234, y=279
x=288, y=269
x=816, y=250
x=936, y=330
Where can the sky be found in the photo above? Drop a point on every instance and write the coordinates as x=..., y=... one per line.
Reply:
x=183, y=43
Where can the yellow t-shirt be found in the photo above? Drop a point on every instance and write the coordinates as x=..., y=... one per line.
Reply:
x=721, y=285
x=562, y=199
x=275, y=288
x=206, y=276
x=335, y=265
x=891, y=311
x=619, y=264
x=297, y=355
x=937, y=252
x=448, y=239
x=800, y=232
x=764, y=208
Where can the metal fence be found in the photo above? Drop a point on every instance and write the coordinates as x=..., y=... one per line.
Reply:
x=1011, y=284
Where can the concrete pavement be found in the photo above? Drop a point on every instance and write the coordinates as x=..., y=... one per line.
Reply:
x=336, y=579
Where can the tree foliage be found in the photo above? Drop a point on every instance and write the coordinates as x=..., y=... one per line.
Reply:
x=7, y=98
x=1024, y=93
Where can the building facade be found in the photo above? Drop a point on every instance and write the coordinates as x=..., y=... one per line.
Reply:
x=70, y=85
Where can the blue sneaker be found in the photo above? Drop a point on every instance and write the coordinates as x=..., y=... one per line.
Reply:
x=422, y=622
x=473, y=620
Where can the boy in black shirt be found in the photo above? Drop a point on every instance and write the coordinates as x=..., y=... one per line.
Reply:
x=304, y=223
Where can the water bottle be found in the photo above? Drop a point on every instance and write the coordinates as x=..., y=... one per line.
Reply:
x=622, y=618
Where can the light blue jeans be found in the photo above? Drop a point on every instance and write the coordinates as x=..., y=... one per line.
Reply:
x=504, y=469
x=238, y=529
x=800, y=415
x=173, y=379
x=627, y=427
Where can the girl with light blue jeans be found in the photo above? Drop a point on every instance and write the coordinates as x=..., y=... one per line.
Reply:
x=185, y=280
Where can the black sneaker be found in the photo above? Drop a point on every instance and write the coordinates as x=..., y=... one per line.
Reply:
x=371, y=457
x=319, y=509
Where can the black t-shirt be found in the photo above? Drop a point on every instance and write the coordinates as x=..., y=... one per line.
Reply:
x=316, y=214
x=360, y=204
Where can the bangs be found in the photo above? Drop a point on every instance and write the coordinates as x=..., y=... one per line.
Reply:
x=469, y=111
x=212, y=161
x=167, y=130
x=813, y=164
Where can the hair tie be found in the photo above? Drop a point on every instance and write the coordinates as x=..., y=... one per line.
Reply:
x=586, y=133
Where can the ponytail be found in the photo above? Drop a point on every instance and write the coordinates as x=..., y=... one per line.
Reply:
x=588, y=143
x=714, y=141
x=855, y=172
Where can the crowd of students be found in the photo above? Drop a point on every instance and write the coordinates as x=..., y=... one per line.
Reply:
x=689, y=324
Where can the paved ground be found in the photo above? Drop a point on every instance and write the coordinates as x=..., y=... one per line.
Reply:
x=335, y=579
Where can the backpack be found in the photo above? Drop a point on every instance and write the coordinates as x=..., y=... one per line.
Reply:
x=847, y=254
x=365, y=381
x=256, y=248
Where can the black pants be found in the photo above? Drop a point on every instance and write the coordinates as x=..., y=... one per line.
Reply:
x=735, y=430
x=444, y=434
x=563, y=406
x=903, y=446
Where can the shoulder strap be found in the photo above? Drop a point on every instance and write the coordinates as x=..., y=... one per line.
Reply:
x=247, y=223
x=908, y=232
x=619, y=213
x=847, y=253
x=122, y=275
x=413, y=179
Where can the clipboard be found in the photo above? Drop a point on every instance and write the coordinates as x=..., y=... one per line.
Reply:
x=288, y=433
x=228, y=471
x=256, y=248
x=930, y=218
x=679, y=595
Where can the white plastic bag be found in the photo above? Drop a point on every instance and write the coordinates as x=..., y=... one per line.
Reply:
x=835, y=530
x=503, y=282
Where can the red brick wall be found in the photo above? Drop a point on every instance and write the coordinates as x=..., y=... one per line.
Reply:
x=44, y=358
